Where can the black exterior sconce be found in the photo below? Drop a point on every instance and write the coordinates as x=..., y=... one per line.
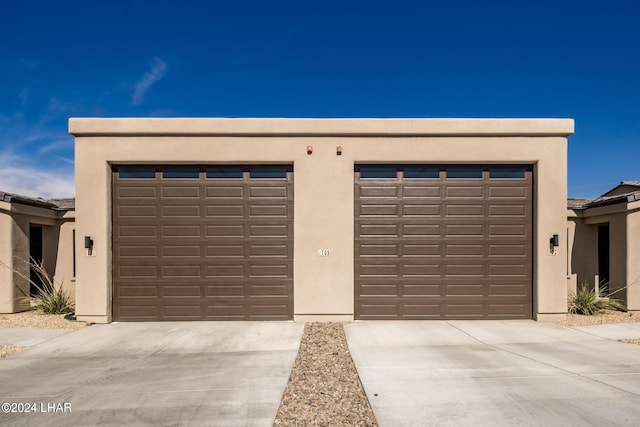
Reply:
x=88, y=244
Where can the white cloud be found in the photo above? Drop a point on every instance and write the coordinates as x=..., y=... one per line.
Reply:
x=157, y=73
x=56, y=145
x=20, y=177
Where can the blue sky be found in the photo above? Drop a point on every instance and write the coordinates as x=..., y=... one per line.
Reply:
x=575, y=59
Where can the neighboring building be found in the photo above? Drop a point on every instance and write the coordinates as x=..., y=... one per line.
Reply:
x=604, y=244
x=39, y=229
x=320, y=219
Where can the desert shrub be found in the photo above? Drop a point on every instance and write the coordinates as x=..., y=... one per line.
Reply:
x=51, y=297
x=587, y=302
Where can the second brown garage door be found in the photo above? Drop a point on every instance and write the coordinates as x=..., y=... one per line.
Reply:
x=202, y=243
x=443, y=242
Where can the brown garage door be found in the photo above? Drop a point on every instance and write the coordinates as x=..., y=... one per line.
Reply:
x=444, y=242
x=202, y=243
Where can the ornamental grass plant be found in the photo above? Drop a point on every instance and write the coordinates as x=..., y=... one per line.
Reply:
x=587, y=302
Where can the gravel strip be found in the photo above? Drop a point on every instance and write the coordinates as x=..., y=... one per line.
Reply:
x=38, y=319
x=324, y=388
x=6, y=350
x=605, y=317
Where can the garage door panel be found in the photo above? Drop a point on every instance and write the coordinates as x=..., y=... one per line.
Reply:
x=372, y=250
x=421, y=230
x=225, y=211
x=421, y=311
x=428, y=193
x=466, y=230
x=226, y=251
x=138, y=312
x=378, y=191
x=271, y=192
x=464, y=210
x=508, y=311
x=423, y=210
x=269, y=210
x=137, y=251
x=181, y=251
x=464, y=250
x=137, y=271
x=276, y=290
x=380, y=309
x=511, y=230
x=379, y=210
x=136, y=193
x=180, y=231
x=269, y=230
x=226, y=230
x=181, y=211
x=225, y=270
x=133, y=291
x=421, y=250
x=464, y=192
x=382, y=289
x=372, y=230
x=181, y=271
x=458, y=269
x=181, y=192
x=268, y=311
x=465, y=289
x=203, y=248
x=181, y=312
x=507, y=210
x=140, y=211
x=136, y=231
x=379, y=270
x=424, y=288
x=506, y=249
x=514, y=288
x=224, y=192
x=508, y=270
x=228, y=311
x=181, y=291
x=269, y=270
x=457, y=248
x=421, y=270
x=269, y=251
x=511, y=192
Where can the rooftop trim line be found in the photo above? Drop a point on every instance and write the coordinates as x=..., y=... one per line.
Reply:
x=54, y=204
x=319, y=127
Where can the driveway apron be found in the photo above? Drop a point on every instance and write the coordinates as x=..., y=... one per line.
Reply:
x=168, y=373
x=495, y=373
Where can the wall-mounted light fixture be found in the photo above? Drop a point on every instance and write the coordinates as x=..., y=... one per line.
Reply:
x=88, y=244
x=339, y=150
x=309, y=149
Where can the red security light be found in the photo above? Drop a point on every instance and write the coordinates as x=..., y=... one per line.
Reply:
x=309, y=149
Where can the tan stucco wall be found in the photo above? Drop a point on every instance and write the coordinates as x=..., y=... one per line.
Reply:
x=64, y=260
x=323, y=187
x=624, y=249
x=15, y=220
x=633, y=260
x=6, y=258
x=583, y=255
x=14, y=250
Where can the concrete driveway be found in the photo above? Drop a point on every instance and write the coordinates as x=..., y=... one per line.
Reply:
x=169, y=373
x=497, y=373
